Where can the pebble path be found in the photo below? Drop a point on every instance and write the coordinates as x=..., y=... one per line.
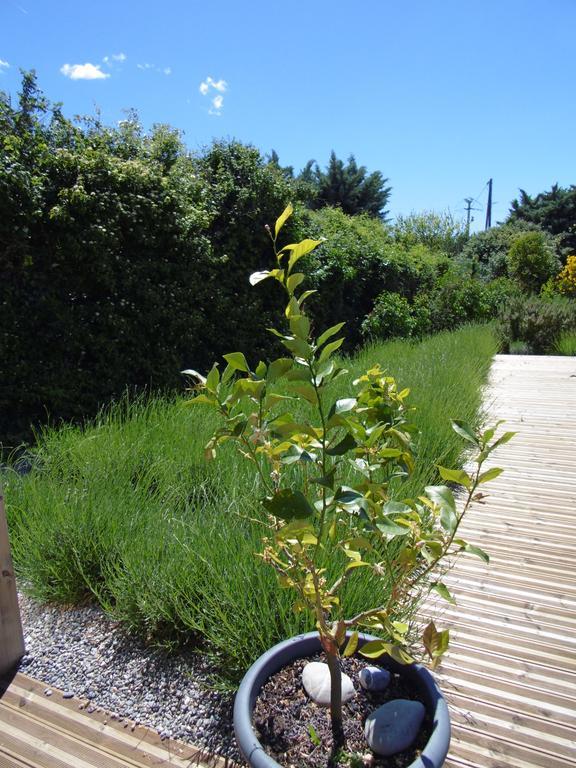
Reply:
x=87, y=655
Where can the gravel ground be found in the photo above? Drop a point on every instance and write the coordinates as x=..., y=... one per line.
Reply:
x=84, y=653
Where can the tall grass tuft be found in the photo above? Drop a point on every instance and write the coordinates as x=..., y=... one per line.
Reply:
x=127, y=512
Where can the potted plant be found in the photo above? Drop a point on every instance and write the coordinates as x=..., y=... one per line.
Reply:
x=328, y=510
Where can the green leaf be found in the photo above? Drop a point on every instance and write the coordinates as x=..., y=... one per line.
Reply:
x=490, y=474
x=261, y=369
x=506, y=437
x=281, y=220
x=329, y=333
x=473, y=550
x=300, y=249
x=455, y=476
x=294, y=281
x=213, y=379
x=314, y=738
x=465, y=431
x=351, y=645
x=329, y=349
x=444, y=498
x=237, y=361
x=374, y=648
x=289, y=505
x=345, y=445
x=279, y=368
x=396, y=508
x=443, y=591
x=298, y=347
x=304, y=296
x=306, y=391
x=391, y=529
x=300, y=326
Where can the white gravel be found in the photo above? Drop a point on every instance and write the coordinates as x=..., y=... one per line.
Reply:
x=87, y=655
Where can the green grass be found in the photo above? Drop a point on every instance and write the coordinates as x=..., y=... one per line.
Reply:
x=565, y=344
x=127, y=512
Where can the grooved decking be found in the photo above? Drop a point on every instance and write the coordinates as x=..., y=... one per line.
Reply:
x=37, y=731
x=510, y=676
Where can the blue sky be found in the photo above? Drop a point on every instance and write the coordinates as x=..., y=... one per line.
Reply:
x=438, y=95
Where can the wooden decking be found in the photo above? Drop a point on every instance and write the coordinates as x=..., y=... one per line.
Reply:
x=510, y=676
x=37, y=731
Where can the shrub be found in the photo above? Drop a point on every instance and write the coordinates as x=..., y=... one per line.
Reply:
x=566, y=280
x=439, y=232
x=391, y=318
x=536, y=322
x=456, y=300
x=565, y=344
x=531, y=261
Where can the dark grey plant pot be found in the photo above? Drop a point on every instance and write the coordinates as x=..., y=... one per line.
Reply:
x=284, y=653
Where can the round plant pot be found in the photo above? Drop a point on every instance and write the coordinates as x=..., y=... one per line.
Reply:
x=284, y=653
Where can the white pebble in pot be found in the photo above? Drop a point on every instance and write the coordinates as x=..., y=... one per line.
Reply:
x=316, y=682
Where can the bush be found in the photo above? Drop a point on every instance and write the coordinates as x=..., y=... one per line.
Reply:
x=358, y=261
x=391, y=318
x=439, y=232
x=566, y=280
x=486, y=252
x=455, y=300
x=536, y=322
x=531, y=261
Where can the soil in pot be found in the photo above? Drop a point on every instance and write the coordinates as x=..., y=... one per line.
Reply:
x=296, y=732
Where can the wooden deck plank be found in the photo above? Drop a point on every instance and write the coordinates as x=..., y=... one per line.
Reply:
x=52, y=732
x=510, y=676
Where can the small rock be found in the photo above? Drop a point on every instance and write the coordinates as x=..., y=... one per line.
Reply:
x=316, y=682
x=394, y=726
x=374, y=678
x=67, y=695
x=48, y=692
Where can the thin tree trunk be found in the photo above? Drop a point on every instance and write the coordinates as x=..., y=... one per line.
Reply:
x=335, y=701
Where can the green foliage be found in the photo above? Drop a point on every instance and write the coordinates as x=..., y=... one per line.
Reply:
x=318, y=512
x=124, y=254
x=346, y=186
x=536, y=322
x=126, y=512
x=531, y=262
x=391, y=317
x=457, y=299
x=565, y=344
x=439, y=232
x=553, y=211
x=356, y=263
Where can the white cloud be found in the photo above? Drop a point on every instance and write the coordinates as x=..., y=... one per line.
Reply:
x=167, y=70
x=145, y=66
x=83, y=72
x=119, y=57
x=217, y=104
x=4, y=64
x=218, y=85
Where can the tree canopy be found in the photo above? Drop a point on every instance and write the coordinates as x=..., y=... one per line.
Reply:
x=554, y=211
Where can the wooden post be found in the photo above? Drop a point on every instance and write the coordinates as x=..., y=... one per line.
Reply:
x=11, y=636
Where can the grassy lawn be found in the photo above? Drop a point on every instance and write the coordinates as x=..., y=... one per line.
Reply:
x=127, y=512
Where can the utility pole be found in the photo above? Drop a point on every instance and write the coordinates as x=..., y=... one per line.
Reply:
x=489, y=206
x=468, y=201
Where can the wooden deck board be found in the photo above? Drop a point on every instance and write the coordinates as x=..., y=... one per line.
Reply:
x=37, y=731
x=510, y=675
